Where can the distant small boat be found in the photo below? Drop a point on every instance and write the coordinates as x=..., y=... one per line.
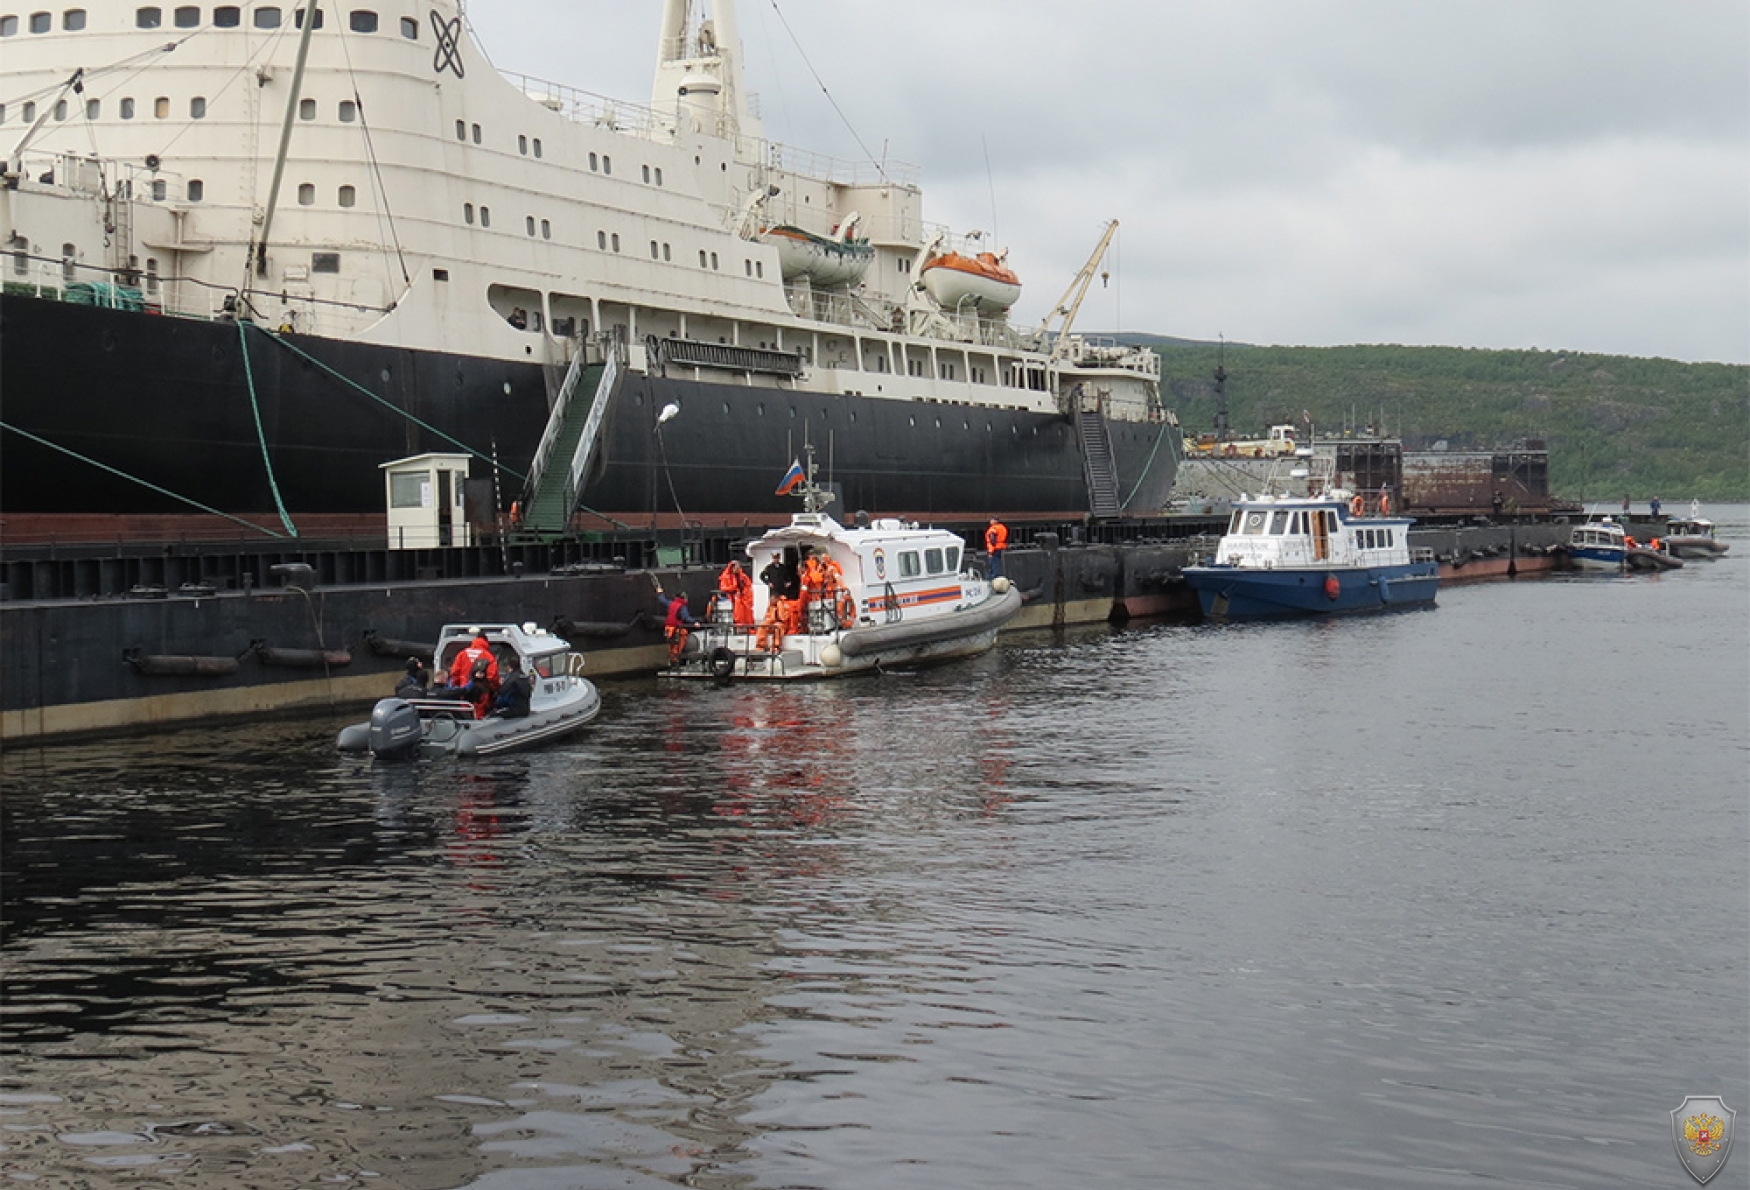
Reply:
x=1692, y=536
x=560, y=701
x=1312, y=555
x=982, y=282
x=1598, y=545
x=825, y=262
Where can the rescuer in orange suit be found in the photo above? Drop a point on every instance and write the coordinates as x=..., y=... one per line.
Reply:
x=832, y=587
x=996, y=540
x=462, y=668
x=813, y=584
x=736, y=587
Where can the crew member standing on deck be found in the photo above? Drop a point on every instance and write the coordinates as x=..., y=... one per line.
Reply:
x=462, y=668
x=736, y=589
x=676, y=626
x=996, y=540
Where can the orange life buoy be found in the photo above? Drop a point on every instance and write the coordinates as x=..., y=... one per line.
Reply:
x=1333, y=588
x=1384, y=503
x=1357, y=505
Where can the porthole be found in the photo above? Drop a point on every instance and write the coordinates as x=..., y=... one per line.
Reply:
x=41, y=22
x=8, y=26
x=197, y=108
x=410, y=28
x=197, y=190
x=306, y=194
x=537, y=146
x=187, y=16
x=468, y=213
x=349, y=111
x=546, y=230
x=161, y=107
x=485, y=216
x=601, y=240
x=148, y=18
x=363, y=20
x=347, y=196
x=73, y=20
x=93, y=108
x=306, y=109
x=227, y=16
x=267, y=18
x=127, y=108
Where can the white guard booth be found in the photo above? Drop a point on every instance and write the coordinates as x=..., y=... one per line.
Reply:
x=424, y=495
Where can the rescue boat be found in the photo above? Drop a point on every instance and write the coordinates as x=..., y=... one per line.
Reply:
x=983, y=282
x=561, y=701
x=899, y=597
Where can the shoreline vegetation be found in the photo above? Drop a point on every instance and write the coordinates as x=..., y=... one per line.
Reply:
x=1615, y=425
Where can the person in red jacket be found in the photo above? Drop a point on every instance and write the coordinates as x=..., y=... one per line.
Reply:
x=462, y=668
x=676, y=626
x=996, y=540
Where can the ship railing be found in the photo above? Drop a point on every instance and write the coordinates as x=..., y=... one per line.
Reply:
x=586, y=107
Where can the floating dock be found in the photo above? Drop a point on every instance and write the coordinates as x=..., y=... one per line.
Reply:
x=104, y=639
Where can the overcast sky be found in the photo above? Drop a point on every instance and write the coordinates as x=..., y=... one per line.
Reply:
x=1563, y=174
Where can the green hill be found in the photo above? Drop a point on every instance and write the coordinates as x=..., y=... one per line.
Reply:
x=1615, y=425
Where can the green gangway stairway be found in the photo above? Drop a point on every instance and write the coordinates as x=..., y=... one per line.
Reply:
x=567, y=447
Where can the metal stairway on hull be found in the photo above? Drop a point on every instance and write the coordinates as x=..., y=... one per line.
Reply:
x=1103, y=499
x=567, y=447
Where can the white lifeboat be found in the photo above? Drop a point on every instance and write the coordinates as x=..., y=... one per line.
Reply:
x=955, y=281
x=828, y=263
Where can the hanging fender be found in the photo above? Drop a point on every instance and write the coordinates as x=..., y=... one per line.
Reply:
x=1333, y=588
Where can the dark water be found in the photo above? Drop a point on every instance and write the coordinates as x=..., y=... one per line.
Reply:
x=1437, y=899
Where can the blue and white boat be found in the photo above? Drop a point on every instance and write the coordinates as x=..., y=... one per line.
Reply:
x=1328, y=552
x=1598, y=545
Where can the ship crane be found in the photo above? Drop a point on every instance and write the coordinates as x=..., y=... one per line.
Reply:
x=1071, y=302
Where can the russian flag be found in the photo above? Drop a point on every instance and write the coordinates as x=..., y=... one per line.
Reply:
x=792, y=478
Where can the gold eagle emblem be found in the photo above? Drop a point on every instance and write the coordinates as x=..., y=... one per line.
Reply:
x=1702, y=1133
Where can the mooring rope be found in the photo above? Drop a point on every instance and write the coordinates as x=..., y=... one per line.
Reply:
x=261, y=434
x=135, y=479
x=351, y=383
x=1149, y=462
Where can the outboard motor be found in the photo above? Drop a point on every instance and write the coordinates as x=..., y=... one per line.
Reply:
x=395, y=727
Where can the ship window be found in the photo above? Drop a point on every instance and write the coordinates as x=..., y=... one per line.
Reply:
x=151, y=274
x=592, y=162
x=127, y=109
x=68, y=252
x=306, y=109
x=187, y=17
x=546, y=230
x=197, y=108
x=759, y=268
x=933, y=561
x=41, y=22
x=461, y=130
x=475, y=130
x=659, y=175
x=73, y=19
x=348, y=196
x=713, y=260
x=616, y=239
x=363, y=20
x=702, y=258
x=349, y=111
x=306, y=194
x=601, y=240
x=646, y=168
x=60, y=109
x=267, y=18
x=1389, y=540
x=227, y=16
x=440, y=274
x=298, y=18
x=607, y=164
x=148, y=18
x=522, y=144
x=747, y=267
x=654, y=251
x=665, y=253
x=1278, y=522
x=160, y=189
x=485, y=216
x=529, y=225
x=1254, y=523
x=93, y=108
x=8, y=26
x=908, y=564
x=537, y=146
x=197, y=190
x=325, y=262
x=410, y=28
x=468, y=213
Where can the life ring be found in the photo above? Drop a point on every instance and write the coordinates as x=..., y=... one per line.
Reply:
x=1333, y=588
x=847, y=609
x=1385, y=504
x=1357, y=505
x=722, y=663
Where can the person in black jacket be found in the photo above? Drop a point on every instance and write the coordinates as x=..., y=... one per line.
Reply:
x=513, y=692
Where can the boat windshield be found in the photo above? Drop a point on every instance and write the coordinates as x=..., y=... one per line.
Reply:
x=1254, y=523
x=1278, y=522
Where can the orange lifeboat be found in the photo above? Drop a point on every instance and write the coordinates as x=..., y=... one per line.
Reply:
x=983, y=282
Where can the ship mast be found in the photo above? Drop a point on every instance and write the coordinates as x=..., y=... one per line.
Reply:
x=698, y=71
x=258, y=249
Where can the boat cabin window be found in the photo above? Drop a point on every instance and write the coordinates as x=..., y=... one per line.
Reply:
x=1253, y=524
x=187, y=16
x=8, y=26
x=148, y=18
x=933, y=561
x=908, y=564
x=543, y=666
x=953, y=559
x=1278, y=522
x=227, y=16
x=410, y=28
x=363, y=21
x=41, y=22
x=73, y=19
x=267, y=18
